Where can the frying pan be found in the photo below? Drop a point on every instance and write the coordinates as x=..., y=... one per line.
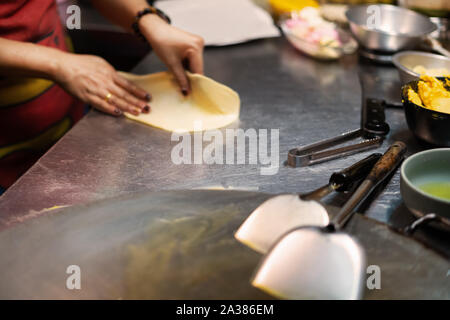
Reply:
x=428, y=126
x=180, y=244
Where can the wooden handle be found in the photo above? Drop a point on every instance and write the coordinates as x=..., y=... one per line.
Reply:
x=390, y=160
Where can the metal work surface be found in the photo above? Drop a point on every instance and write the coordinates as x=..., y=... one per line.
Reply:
x=180, y=245
x=280, y=89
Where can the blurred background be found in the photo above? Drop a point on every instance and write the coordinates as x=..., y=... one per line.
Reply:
x=98, y=36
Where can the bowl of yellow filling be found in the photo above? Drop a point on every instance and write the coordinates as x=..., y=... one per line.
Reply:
x=427, y=109
x=425, y=183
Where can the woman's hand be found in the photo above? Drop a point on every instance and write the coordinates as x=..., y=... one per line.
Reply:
x=94, y=81
x=176, y=48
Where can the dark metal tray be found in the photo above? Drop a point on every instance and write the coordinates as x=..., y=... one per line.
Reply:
x=180, y=245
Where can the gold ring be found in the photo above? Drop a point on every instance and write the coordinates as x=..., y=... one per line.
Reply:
x=108, y=96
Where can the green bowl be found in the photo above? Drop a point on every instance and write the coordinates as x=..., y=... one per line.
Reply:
x=425, y=183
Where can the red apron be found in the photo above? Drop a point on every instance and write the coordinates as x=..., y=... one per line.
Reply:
x=34, y=113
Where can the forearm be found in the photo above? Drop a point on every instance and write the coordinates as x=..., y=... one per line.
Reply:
x=122, y=12
x=28, y=59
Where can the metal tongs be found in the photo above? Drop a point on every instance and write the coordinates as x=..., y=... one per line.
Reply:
x=373, y=131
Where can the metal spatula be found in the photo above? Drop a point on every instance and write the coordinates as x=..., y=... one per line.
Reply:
x=282, y=213
x=324, y=262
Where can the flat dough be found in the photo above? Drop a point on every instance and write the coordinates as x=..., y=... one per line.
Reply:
x=210, y=105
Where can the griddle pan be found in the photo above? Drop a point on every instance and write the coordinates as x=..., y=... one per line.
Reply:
x=180, y=245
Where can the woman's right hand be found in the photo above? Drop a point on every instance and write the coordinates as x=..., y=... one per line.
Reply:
x=94, y=81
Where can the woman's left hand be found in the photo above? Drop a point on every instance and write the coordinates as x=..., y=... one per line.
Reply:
x=176, y=48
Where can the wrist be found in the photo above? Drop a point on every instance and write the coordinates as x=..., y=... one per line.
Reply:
x=54, y=69
x=149, y=26
x=148, y=21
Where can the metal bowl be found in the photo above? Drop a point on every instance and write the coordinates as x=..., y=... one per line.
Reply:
x=399, y=28
x=425, y=167
x=427, y=125
x=406, y=61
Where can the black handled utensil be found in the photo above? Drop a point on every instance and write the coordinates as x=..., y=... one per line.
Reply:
x=281, y=213
x=323, y=262
x=372, y=131
x=344, y=180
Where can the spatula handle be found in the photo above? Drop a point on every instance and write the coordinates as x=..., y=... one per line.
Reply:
x=388, y=162
x=344, y=180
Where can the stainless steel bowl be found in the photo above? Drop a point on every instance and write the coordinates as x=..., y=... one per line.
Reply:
x=399, y=28
x=406, y=61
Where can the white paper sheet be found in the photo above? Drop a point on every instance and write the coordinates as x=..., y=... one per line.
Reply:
x=220, y=22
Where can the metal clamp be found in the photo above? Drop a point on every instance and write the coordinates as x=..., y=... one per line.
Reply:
x=373, y=129
x=312, y=154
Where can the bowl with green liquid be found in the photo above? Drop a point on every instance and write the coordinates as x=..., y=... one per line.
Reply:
x=425, y=182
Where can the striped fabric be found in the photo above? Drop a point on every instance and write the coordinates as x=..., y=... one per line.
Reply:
x=34, y=113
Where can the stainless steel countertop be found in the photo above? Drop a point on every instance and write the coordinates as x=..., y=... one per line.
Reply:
x=280, y=88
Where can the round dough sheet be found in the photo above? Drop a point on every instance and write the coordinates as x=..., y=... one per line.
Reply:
x=210, y=105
